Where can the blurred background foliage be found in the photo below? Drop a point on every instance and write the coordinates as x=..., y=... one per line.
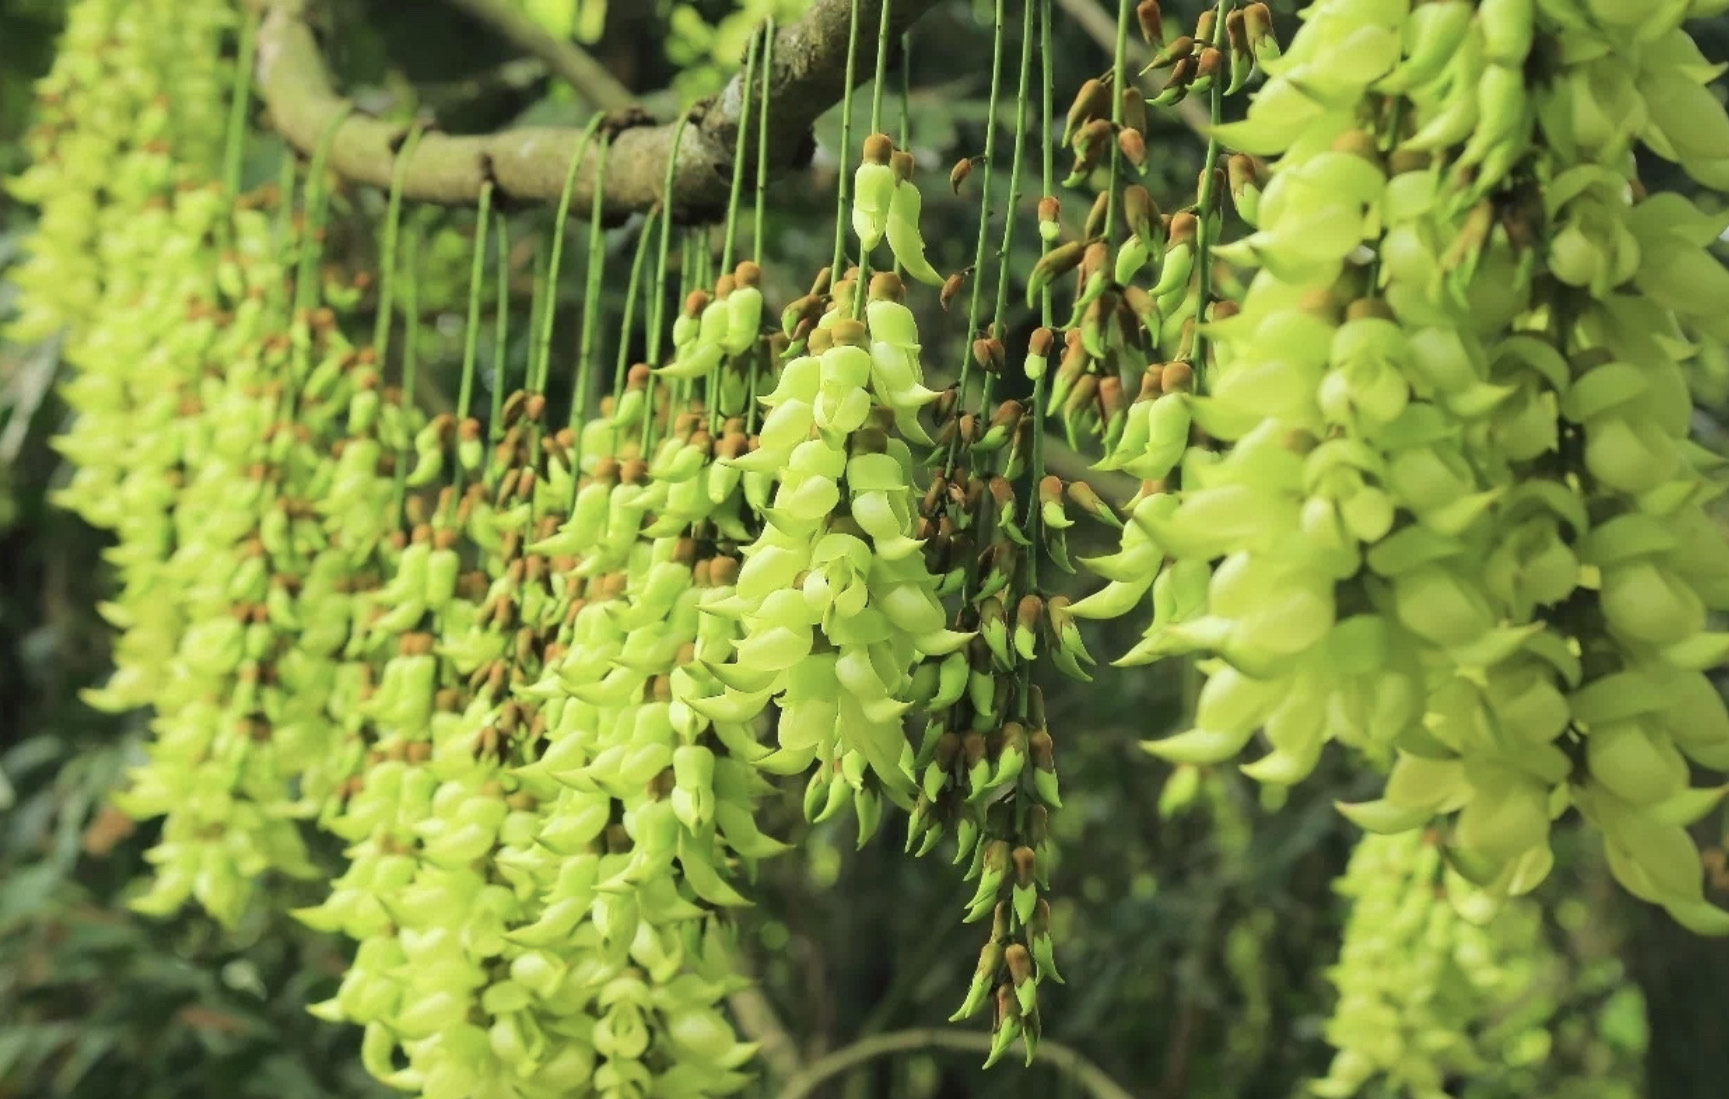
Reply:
x=1196, y=926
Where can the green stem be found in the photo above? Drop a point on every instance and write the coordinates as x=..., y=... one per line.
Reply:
x=411, y=317
x=1009, y=219
x=392, y=225
x=542, y=357
x=1046, y=183
x=737, y=191
x=657, y=308
x=843, y=185
x=539, y=308
x=590, y=307
x=500, y=332
x=314, y=204
x=906, y=133
x=410, y=364
x=756, y=239
x=879, y=78
x=234, y=148
x=630, y=291
x=1207, y=203
x=476, y=279
x=284, y=231
x=1119, y=78
x=984, y=223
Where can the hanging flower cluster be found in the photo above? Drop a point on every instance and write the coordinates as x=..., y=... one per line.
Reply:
x=1414, y=476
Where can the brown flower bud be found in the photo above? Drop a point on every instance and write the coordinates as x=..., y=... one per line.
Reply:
x=903, y=165
x=1151, y=18
x=878, y=149
x=959, y=173
x=951, y=288
x=1133, y=147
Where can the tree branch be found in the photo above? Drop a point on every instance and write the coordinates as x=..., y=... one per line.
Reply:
x=1091, y=1078
x=757, y=1020
x=530, y=163
x=566, y=59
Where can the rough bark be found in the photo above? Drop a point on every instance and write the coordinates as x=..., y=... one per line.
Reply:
x=529, y=164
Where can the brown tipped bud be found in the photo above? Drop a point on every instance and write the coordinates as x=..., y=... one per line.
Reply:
x=1182, y=75
x=973, y=744
x=820, y=285
x=1236, y=32
x=850, y=333
x=1258, y=21
x=1029, y=612
x=1369, y=307
x=1018, y=958
x=959, y=173
x=1209, y=63
x=989, y=354
x=1041, y=341
x=951, y=287
x=1182, y=48
x=878, y=149
x=1050, y=489
x=1092, y=102
x=1008, y=415
x=1140, y=212
x=1095, y=260
x=1176, y=377
x=1408, y=160
x=819, y=340
x=1206, y=25
x=695, y=302
x=1183, y=227
x=1110, y=396
x=1359, y=143
x=747, y=273
x=887, y=286
x=1133, y=147
x=1151, y=18
x=1026, y=862
x=903, y=166
x=1050, y=209
x=1041, y=749
x=1134, y=109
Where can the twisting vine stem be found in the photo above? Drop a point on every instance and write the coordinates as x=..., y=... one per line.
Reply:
x=590, y=307
x=877, y=77
x=1119, y=81
x=737, y=191
x=761, y=181
x=843, y=185
x=1046, y=183
x=392, y=226
x=317, y=195
x=657, y=310
x=234, y=145
x=984, y=224
x=631, y=288
x=543, y=335
x=500, y=334
x=1009, y=219
x=410, y=316
x=1206, y=219
x=476, y=280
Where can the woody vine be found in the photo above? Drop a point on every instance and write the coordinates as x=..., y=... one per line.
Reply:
x=1403, y=392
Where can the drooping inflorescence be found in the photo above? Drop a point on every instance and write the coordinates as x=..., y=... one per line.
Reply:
x=1414, y=474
